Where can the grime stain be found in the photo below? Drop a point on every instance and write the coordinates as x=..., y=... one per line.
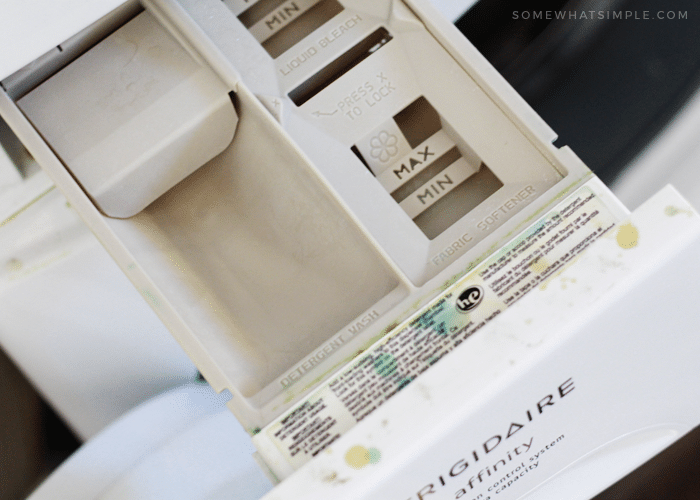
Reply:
x=670, y=211
x=358, y=457
x=389, y=328
x=151, y=297
x=333, y=478
x=385, y=365
x=26, y=207
x=550, y=279
x=565, y=280
x=14, y=265
x=539, y=265
x=627, y=236
x=18, y=269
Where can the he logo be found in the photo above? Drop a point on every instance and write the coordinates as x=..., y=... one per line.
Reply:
x=469, y=298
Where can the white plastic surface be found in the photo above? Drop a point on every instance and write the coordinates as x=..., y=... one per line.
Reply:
x=453, y=9
x=73, y=323
x=137, y=114
x=22, y=182
x=607, y=463
x=182, y=445
x=30, y=29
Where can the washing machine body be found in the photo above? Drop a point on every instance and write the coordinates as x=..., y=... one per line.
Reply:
x=183, y=443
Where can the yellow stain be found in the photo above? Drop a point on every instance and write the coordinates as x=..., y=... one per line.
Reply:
x=357, y=457
x=539, y=266
x=627, y=236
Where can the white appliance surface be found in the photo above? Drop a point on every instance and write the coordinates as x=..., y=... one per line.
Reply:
x=74, y=324
x=183, y=444
x=30, y=29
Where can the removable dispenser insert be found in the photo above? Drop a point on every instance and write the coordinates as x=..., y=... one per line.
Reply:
x=228, y=230
x=287, y=181
x=422, y=155
x=426, y=173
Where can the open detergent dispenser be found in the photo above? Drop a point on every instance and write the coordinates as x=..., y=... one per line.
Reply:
x=319, y=198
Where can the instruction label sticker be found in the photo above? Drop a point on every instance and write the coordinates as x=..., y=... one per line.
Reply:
x=445, y=323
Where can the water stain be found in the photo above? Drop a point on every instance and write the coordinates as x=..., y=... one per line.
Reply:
x=627, y=236
x=424, y=391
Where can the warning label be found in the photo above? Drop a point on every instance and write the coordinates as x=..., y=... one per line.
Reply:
x=553, y=242
x=448, y=321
